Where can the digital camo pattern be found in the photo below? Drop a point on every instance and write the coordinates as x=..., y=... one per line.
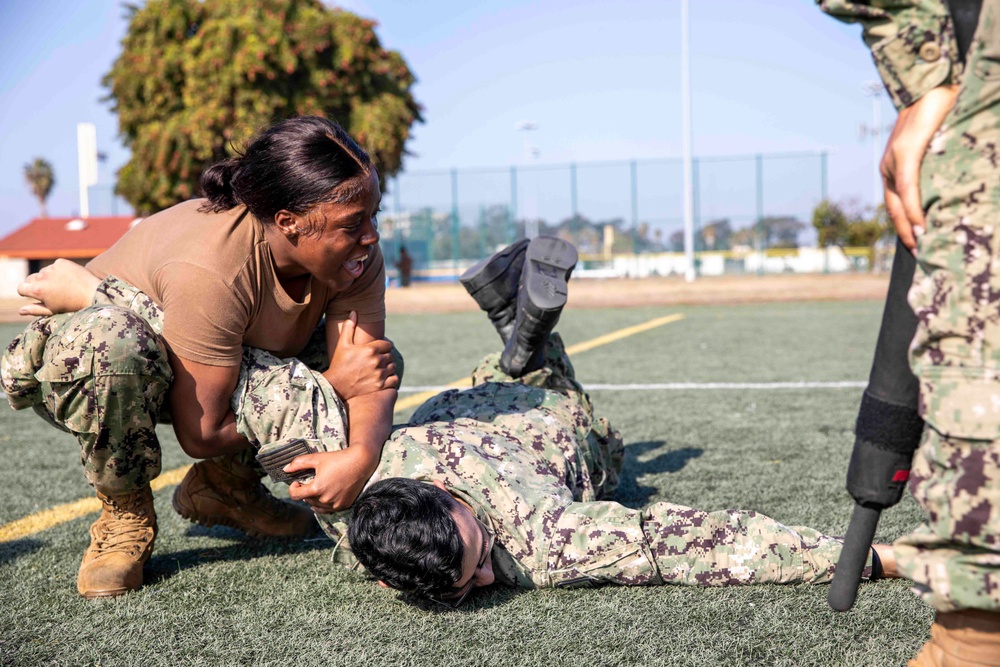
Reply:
x=102, y=374
x=526, y=457
x=897, y=33
x=954, y=559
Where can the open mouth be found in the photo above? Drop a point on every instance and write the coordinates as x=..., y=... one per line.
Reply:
x=355, y=266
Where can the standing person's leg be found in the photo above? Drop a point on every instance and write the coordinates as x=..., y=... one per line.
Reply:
x=954, y=559
x=101, y=374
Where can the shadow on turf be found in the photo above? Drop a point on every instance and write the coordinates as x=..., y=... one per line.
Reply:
x=496, y=595
x=162, y=566
x=11, y=551
x=630, y=492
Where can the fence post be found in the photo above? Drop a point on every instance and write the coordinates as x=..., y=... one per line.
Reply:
x=572, y=187
x=512, y=227
x=822, y=175
x=454, y=220
x=482, y=232
x=760, y=212
x=634, y=177
x=699, y=242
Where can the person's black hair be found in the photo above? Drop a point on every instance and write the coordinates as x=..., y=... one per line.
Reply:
x=292, y=165
x=403, y=532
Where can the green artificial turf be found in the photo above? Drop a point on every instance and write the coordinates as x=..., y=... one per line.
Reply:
x=214, y=598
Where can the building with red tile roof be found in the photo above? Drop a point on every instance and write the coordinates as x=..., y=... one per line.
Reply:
x=44, y=239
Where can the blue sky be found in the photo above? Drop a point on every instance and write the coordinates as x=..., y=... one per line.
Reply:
x=600, y=79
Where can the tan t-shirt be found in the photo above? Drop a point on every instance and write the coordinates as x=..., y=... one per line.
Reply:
x=214, y=277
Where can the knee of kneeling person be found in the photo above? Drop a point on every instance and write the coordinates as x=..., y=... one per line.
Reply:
x=122, y=342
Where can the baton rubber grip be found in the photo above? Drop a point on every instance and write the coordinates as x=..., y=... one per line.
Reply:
x=853, y=557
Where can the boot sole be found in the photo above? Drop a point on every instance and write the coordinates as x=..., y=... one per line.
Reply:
x=548, y=263
x=488, y=270
x=90, y=595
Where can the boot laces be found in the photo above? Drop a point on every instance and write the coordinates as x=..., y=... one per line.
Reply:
x=128, y=530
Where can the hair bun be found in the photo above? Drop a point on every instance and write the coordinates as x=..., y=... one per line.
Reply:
x=217, y=185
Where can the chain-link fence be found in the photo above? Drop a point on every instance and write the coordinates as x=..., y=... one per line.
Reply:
x=751, y=213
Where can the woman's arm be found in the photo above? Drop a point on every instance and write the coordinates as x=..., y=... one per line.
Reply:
x=340, y=476
x=199, y=407
x=61, y=287
x=361, y=366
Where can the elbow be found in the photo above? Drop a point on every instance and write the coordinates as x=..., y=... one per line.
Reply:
x=195, y=449
x=197, y=445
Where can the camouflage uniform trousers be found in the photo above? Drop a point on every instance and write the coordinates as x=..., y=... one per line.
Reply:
x=533, y=462
x=102, y=374
x=954, y=558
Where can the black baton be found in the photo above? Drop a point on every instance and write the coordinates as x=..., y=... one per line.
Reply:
x=887, y=433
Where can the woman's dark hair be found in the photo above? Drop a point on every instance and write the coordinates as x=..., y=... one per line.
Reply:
x=292, y=165
x=403, y=532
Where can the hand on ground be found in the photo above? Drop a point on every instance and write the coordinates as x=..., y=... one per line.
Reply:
x=61, y=287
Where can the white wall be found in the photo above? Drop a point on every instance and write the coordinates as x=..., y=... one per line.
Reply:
x=12, y=272
x=804, y=260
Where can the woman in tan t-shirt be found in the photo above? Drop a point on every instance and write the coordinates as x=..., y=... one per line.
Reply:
x=285, y=236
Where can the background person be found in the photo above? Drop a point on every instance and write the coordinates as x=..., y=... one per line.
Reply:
x=943, y=193
x=404, y=266
x=285, y=237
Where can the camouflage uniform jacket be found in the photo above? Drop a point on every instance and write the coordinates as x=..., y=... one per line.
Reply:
x=912, y=42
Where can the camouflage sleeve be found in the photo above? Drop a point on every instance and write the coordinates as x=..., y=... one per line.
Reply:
x=912, y=42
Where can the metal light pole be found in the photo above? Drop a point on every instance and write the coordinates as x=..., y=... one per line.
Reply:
x=874, y=90
x=86, y=150
x=530, y=152
x=689, y=272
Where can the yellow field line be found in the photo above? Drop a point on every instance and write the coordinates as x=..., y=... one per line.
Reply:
x=417, y=399
x=36, y=523
x=414, y=400
x=622, y=333
x=39, y=521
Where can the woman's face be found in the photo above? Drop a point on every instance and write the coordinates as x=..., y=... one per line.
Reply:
x=338, y=238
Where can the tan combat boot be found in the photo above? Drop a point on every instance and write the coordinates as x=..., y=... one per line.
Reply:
x=121, y=540
x=223, y=491
x=968, y=638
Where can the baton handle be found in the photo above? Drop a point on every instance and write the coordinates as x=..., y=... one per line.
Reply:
x=853, y=556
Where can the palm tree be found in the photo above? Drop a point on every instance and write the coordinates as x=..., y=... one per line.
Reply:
x=41, y=178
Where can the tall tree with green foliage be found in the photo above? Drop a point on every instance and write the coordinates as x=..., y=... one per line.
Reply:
x=41, y=179
x=846, y=226
x=197, y=78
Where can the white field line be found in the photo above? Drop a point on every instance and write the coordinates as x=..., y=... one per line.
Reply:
x=685, y=386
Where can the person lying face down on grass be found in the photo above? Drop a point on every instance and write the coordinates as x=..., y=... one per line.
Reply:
x=507, y=481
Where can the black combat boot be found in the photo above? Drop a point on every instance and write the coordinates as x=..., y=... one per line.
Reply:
x=541, y=295
x=493, y=284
